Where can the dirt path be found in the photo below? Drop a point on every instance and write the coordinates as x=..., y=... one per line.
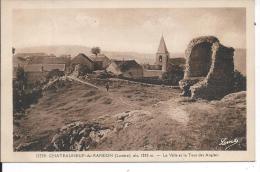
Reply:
x=173, y=110
x=83, y=82
x=113, y=96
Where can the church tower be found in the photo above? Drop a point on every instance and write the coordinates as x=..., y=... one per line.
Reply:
x=162, y=55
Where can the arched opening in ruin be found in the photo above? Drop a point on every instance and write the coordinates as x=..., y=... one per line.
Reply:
x=200, y=60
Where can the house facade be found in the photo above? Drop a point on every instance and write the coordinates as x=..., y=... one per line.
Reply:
x=126, y=69
x=37, y=65
x=38, y=72
x=101, y=61
x=82, y=59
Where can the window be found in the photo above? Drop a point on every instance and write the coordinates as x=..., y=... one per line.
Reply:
x=160, y=58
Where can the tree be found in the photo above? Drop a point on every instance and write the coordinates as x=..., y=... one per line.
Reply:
x=19, y=85
x=173, y=75
x=55, y=73
x=239, y=82
x=21, y=77
x=95, y=50
x=23, y=94
x=13, y=50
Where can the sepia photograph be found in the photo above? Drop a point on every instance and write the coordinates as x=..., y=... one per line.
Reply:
x=129, y=79
x=136, y=79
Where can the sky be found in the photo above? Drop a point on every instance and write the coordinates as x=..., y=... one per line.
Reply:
x=137, y=30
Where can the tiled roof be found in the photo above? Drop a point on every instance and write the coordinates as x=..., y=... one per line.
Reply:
x=44, y=67
x=162, y=46
x=17, y=60
x=25, y=55
x=81, y=55
x=33, y=68
x=125, y=65
x=50, y=67
x=47, y=60
x=99, y=57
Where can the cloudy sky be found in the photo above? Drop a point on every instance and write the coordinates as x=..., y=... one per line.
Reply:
x=136, y=30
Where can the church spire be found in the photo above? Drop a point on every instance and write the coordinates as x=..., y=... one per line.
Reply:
x=162, y=46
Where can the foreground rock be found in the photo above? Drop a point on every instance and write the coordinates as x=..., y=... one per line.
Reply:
x=78, y=136
x=235, y=100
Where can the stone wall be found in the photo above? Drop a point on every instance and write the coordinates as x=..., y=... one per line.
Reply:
x=209, y=69
x=152, y=73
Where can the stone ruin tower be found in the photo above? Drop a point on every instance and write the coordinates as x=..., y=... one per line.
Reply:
x=162, y=55
x=209, y=69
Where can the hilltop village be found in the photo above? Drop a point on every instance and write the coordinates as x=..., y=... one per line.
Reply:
x=38, y=65
x=206, y=61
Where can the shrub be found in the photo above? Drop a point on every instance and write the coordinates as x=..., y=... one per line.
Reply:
x=23, y=95
x=54, y=74
x=95, y=50
x=173, y=75
x=239, y=82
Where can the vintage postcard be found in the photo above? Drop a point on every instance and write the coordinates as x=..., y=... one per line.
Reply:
x=123, y=81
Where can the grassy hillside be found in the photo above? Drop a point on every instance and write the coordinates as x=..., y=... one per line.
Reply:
x=240, y=60
x=134, y=117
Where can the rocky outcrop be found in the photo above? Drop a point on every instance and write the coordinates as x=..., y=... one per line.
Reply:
x=83, y=136
x=237, y=100
x=78, y=136
x=209, y=69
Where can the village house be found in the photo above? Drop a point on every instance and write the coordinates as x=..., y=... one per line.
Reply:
x=43, y=67
x=38, y=72
x=49, y=59
x=21, y=59
x=101, y=61
x=83, y=60
x=17, y=62
x=126, y=68
x=26, y=55
x=37, y=65
x=39, y=58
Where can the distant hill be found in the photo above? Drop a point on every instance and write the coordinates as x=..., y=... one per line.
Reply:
x=240, y=60
x=73, y=50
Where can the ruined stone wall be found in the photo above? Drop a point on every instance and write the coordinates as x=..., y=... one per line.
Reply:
x=152, y=73
x=219, y=80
